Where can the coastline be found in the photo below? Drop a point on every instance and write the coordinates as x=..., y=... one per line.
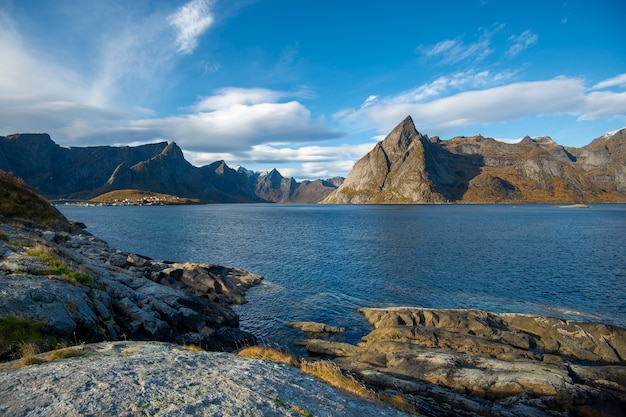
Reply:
x=458, y=362
x=468, y=362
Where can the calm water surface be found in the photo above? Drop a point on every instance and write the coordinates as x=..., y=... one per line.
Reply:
x=321, y=263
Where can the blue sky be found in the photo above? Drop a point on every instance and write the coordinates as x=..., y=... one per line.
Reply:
x=306, y=86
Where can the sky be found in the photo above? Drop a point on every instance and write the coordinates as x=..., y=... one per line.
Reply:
x=308, y=87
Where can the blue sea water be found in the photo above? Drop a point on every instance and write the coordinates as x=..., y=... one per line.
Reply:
x=322, y=262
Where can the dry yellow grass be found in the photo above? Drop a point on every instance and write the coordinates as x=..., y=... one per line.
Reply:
x=28, y=355
x=330, y=373
x=258, y=352
x=194, y=348
x=399, y=403
x=68, y=352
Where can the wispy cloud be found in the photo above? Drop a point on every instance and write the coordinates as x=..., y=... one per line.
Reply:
x=453, y=51
x=521, y=42
x=190, y=22
x=617, y=81
x=440, y=113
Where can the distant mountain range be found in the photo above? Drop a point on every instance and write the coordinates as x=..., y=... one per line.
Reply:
x=409, y=167
x=87, y=172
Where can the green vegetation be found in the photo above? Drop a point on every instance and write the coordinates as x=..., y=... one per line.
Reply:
x=58, y=267
x=298, y=410
x=19, y=202
x=16, y=330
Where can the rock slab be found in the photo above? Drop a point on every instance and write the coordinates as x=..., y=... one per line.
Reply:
x=160, y=379
x=466, y=362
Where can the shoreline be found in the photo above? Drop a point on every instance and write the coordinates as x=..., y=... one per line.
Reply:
x=483, y=363
x=407, y=350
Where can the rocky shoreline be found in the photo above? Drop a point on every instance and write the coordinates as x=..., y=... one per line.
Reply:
x=59, y=285
x=118, y=295
x=464, y=362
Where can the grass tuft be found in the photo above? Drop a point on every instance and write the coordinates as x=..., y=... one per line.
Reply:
x=258, y=352
x=58, y=267
x=68, y=352
x=398, y=402
x=28, y=354
x=297, y=409
x=194, y=348
x=331, y=374
x=15, y=331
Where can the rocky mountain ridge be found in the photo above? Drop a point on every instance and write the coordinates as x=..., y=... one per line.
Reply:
x=409, y=167
x=87, y=172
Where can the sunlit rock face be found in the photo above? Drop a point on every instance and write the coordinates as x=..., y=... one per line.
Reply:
x=409, y=167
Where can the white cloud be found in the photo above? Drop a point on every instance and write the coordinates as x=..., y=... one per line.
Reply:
x=599, y=104
x=439, y=114
x=310, y=162
x=236, y=119
x=617, y=81
x=233, y=96
x=190, y=22
x=369, y=100
x=521, y=42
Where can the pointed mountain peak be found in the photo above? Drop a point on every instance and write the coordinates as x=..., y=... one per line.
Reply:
x=172, y=150
x=401, y=137
x=274, y=174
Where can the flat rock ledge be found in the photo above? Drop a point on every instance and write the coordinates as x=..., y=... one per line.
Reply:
x=314, y=327
x=161, y=379
x=463, y=362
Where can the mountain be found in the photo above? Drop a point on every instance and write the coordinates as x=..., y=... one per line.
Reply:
x=272, y=186
x=87, y=172
x=409, y=167
x=57, y=171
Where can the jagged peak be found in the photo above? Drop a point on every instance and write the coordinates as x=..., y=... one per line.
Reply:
x=219, y=167
x=542, y=141
x=401, y=137
x=172, y=150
